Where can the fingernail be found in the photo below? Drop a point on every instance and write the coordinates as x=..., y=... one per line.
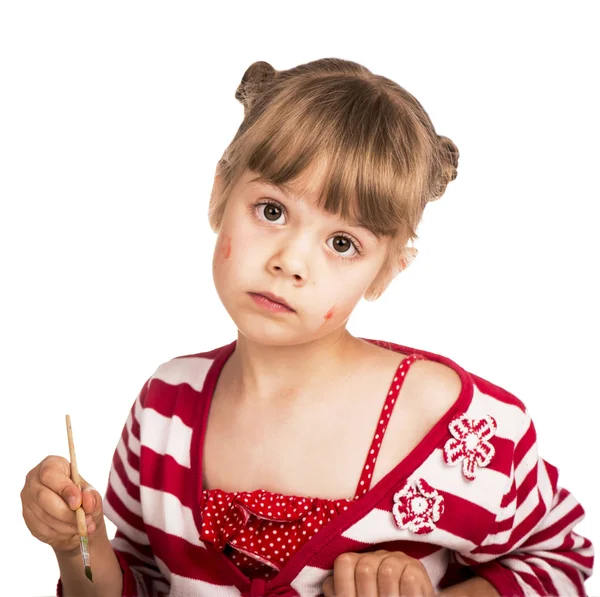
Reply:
x=89, y=490
x=73, y=501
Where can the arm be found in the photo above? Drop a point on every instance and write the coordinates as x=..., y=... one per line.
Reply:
x=141, y=574
x=532, y=548
x=108, y=578
x=50, y=499
x=125, y=566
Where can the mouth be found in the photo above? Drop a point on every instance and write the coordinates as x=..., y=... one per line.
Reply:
x=271, y=301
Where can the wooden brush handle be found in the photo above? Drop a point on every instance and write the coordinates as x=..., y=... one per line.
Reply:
x=74, y=472
x=81, y=526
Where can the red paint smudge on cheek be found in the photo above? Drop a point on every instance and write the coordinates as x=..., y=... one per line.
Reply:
x=227, y=247
x=328, y=315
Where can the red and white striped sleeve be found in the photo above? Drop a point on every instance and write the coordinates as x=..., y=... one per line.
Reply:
x=122, y=506
x=532, y=548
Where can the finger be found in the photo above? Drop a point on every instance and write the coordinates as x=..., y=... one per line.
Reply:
x=388, y=576
x=344, y=583
x=55, y=508
x=328, y=587
x=53, y=511
x=427, y=589
x=91, y=500
x=40, y=529
x=365, y=575
x=413, y=579
x=55, y=473
x=48, y=535
x=52, y=503
x=61, y=528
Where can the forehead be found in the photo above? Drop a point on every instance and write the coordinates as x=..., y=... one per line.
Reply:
x=307, y=186
x=346, y=188
x=308, y=190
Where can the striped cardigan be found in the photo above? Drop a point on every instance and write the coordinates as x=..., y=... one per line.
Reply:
x=473, y=497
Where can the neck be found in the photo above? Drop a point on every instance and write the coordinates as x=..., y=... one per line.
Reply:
x=271, y=373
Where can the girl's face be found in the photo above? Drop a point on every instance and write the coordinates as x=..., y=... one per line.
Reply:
x=277, y=247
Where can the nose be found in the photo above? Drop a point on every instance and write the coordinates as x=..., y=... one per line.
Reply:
x=290, y=259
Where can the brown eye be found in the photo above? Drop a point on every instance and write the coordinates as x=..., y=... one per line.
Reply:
x=341, y=244
x=271, y=212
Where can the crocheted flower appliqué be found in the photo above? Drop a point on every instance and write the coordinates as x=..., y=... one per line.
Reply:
x=470, y=444
x=418, y=507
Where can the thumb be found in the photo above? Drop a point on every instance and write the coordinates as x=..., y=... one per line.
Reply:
x=91, y=500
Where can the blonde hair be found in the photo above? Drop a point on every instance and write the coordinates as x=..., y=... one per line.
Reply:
x=384, y=160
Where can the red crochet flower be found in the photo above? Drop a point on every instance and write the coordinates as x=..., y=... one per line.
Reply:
x=417, y=508
x=469, y=443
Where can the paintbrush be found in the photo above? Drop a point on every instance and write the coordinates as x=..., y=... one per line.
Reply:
x=79, y=513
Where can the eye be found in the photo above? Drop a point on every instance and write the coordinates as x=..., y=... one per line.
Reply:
x=343, y=245
x=269, y=211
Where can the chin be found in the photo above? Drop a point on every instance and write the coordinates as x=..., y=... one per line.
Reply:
x=270, y=335
x=261, y=330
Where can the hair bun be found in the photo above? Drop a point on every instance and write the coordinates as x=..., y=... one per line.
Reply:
x=451, y=151
x=448, y=163
x=256, y=78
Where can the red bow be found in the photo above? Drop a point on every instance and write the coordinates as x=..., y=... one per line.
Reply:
x=258, y=588
x=233, y=521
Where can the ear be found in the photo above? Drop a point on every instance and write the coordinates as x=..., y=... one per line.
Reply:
x=386, y=275
x=409, y=254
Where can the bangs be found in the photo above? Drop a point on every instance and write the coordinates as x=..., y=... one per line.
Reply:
x=345, y=126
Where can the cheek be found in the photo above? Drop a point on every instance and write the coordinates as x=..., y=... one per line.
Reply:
x=221, y=260
x=233, y=260
x=224, y=248
x=337, y=306
x=328, y=316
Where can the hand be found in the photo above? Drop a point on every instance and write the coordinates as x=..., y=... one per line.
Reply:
x=378, y=574
x=49, y=499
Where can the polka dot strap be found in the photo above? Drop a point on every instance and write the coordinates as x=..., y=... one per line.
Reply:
x=364, y=482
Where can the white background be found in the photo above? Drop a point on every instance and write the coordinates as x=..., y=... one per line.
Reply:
x=113, y=116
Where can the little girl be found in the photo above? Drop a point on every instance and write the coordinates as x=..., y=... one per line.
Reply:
x=300, y=460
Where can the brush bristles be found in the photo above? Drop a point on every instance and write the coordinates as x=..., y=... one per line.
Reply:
x=88, y=572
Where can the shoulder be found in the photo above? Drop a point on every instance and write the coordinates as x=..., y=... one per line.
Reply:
x=442, y=389
x=434, y=388
x=441, y=384
x=434, y=382
x=190, y=371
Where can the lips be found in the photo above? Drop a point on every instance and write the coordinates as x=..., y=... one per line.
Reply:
x=274, y=298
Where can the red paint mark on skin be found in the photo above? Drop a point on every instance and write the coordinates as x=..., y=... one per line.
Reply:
x=329, y=314
x=227, y=247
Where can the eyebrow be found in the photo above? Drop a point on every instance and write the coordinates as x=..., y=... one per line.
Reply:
x=287, y=191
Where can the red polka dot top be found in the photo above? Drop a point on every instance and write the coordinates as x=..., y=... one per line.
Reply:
x=261, y=530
